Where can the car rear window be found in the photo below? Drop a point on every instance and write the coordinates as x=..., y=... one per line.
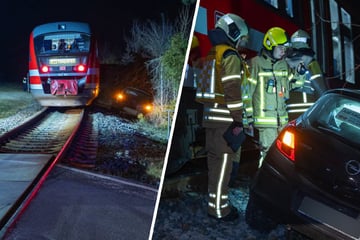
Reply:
x=339, y=114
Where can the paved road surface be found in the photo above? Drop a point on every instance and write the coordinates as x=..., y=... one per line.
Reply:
x=75, y=205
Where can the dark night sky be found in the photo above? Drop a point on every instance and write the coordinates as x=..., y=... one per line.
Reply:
x=108, y=20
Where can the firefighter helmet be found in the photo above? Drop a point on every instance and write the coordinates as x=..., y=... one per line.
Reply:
x=234, y=27
x=300, y=39
x=275, y=36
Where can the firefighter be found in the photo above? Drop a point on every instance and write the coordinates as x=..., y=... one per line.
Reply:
x=309, y=82
x=218, y=88
x=267, y=89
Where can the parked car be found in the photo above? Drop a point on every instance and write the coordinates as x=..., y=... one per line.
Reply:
x=134, y=101
x=310, y=177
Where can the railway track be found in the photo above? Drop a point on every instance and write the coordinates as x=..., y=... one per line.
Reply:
x=47, y=132
x=50, y=133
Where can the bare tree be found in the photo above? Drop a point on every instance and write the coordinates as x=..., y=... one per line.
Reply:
x=148, y=39
x=151, y=40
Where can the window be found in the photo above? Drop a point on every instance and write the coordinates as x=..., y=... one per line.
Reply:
x=60, y=43
x=338, y=114
x=348, y=47
x=289, y=8
x=273, y=3
x=336, y=39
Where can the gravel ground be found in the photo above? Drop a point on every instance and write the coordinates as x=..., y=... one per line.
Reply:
x=9, y=123
x=126, y=150
x=185, y=217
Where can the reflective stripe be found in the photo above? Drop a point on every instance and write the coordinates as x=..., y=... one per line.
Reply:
x=217, y=115
x=252, y=81
x=220, y=119
x=265, y=74
x=276, y=73
x=291, y=76
x=299, y=39
x=297, y=110
x=230, y=77
x=212, y=79
x=269, y=120
x=217, y=110
x=300, y=105
x=212, y=205
x=262, y=97
x=235, y=105
x=248, y=110
x=205, y=95
x=206, y=86
x=315, y=76
x=225, y=205
x=219, y=186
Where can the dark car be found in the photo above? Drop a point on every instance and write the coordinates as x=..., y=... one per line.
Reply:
x=310, y=177
x=134, y=101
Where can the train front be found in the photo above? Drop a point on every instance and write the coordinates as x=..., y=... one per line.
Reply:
x=63, y=65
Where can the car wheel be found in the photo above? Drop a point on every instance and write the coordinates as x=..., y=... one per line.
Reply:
x=257, y=218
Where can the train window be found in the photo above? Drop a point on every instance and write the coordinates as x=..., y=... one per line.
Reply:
x=55, y=43
x=348, y=47
x=289, y=8
x=336, y=40
x=285, y=7
x=273, y=3
x=343, y=51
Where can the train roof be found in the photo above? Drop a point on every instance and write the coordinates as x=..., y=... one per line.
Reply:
x=61, y=26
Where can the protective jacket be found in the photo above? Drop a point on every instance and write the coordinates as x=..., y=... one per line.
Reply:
x=267, y=89
x=305, y=89
x=218, y=87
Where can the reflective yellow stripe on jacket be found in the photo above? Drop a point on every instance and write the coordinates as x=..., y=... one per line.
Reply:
x=270, y=121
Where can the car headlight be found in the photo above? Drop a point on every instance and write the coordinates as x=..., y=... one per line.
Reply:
x=120, y=97
x=148, y=107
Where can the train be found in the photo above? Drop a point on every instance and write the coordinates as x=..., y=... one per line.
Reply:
x=329, y=23
x=64, y=69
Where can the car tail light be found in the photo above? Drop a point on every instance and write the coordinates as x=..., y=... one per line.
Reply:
x=286, y=143
x=45, y=69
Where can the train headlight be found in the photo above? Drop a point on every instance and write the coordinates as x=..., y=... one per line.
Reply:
x=45, y=69
x=80, y=68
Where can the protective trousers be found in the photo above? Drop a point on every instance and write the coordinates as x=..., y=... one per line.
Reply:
x=219, y=158
x=266, y=137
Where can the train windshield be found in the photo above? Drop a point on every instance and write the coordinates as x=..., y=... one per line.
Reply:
x=61, y=43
